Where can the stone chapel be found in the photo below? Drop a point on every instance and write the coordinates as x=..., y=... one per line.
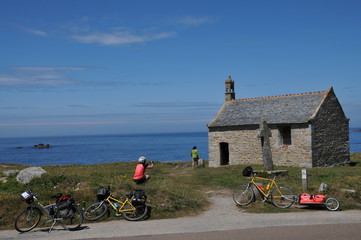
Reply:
x=306, y=130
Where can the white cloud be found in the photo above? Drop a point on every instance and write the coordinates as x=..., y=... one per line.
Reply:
x=56, y=68
x=36, y=32
x=179, y=121
x=9, y=80
x=82, y=32
x=48, y=76
x=37, y=76
x=17, y=124
x=121, y=37
x=194, y=21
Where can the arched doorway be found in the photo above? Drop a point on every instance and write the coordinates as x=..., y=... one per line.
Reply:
x=224, y=150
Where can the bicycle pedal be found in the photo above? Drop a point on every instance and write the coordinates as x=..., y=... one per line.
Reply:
x=118, y=214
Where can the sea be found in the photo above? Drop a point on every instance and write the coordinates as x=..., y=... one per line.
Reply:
x=163, y=147
x=66, y=150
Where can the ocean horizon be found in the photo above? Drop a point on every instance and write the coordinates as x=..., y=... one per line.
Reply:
x=93, y=149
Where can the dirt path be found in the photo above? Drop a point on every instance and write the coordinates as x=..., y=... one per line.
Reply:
x=223, y=215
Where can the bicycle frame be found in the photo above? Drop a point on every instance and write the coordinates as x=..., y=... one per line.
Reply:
x=110, y=199
x=43, y=208
x=267, y=191
x=271, y=185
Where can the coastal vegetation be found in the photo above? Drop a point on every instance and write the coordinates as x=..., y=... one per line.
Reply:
x=174, y=190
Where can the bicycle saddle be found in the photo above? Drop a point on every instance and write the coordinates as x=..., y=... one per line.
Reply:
x=277, y=172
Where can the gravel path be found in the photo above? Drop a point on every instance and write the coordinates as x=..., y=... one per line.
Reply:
x=223, y=215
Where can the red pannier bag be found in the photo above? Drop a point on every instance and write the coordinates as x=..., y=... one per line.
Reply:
x=319, y=198
x=307, y=198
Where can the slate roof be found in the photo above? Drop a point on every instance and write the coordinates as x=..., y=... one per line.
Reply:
x=285, y=109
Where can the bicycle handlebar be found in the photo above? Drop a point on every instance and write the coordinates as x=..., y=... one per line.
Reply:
x=33, y=193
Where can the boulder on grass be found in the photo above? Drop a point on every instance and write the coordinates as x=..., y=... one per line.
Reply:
x=27, y=174
x=8, y=173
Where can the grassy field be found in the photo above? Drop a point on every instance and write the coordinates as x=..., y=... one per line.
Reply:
x=174, y=190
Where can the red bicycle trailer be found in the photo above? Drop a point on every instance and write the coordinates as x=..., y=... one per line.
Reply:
x=330, y=203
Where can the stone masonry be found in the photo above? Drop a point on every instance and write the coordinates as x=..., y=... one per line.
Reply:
x=245, y=147
x=330, y=134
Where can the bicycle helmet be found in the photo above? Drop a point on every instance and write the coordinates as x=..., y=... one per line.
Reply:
x=142, y=159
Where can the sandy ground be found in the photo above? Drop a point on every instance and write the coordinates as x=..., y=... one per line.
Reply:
x=223, y=215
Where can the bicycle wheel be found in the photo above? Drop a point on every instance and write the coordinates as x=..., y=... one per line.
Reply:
x=282, y=197
x=332, y=204
x=95, y=211
x=74, y=221
x=243, y=195
x=139, y=213
x=27, y=219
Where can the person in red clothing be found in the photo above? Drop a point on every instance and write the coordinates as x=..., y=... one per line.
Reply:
x=142, y=166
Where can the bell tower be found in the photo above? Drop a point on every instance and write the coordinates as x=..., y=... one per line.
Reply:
x=230, y=94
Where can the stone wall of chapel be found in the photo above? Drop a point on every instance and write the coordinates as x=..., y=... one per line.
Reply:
x=245, y=147
x=330, y=134
x=298, y=153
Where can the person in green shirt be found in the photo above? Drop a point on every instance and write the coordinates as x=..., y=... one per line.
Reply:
x=195, y=157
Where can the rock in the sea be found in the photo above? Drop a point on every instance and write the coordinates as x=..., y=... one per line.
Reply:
x=27, y=174
x=41, y=146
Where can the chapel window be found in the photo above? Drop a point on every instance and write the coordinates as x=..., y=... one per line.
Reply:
x=285, y=132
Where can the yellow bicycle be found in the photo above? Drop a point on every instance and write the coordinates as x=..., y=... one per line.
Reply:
x=133, y=208
x=280, y=196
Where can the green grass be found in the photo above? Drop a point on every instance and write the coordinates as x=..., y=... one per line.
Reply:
x=174, y=190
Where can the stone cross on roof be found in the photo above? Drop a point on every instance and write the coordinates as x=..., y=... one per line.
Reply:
x=264, y=133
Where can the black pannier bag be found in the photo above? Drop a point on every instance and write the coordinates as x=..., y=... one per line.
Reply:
x=103, y=193
x=247, y=171
x=139, y=197
x=65, y=206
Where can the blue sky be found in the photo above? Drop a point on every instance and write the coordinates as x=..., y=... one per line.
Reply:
x=144, y=66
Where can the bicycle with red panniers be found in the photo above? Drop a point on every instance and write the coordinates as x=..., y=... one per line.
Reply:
x=64, y=211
